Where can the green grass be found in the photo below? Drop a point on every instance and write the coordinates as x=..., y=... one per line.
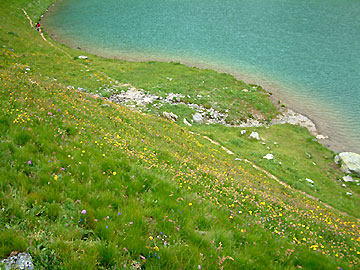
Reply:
x=90, y=186
x=296, y=157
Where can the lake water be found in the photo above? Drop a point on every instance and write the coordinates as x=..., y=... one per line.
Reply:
x=305, y=51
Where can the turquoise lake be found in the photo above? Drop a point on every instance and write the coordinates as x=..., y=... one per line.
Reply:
x=305, y=51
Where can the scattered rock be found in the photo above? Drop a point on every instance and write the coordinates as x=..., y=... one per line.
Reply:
x=254, y=135
x=251, y=123
x=349, y=193
x=348, y=178
x=187, y=123
x=350, y=162
x=243, y=132
x=291, y=117
x=82, y=57
x=269, y=157
x=19, y=261
x=197, y=117
x=309, y=180
x=170, y=116
x=133, y=96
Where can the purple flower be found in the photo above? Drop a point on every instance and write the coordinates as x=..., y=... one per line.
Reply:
x=83, y=211
x=119, y=213
x=107, y=226
x=29, y=162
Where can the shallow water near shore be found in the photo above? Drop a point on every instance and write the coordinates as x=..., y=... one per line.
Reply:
x=306, y=52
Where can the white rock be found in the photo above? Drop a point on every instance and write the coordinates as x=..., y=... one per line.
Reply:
x=321, y=137
x=254, y=135
x=350, y=162
x=187, y=123
x=269, y=156
x=348, y=178
x=309, y=180
x=170, y=116
x=349, y=193
x=82, y=57
x=243, y=132
x=197, y=117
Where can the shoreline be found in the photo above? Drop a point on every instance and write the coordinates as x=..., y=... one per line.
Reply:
x=327, y=134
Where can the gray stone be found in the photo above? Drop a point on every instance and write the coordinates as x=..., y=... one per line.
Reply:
x=293, y=118
x=197, y=117
x=348, y=178
x=187, y=123
x=20, y=261
x=170, y=116
x=321, y=137
x=254, y=135
x=350, y=162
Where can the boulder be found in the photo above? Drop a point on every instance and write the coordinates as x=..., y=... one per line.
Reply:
x=198, y=118
x=254, y=135
x=350, y=162
x=19, y=261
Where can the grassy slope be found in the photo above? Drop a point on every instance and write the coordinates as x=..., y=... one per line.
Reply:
x=154, y=194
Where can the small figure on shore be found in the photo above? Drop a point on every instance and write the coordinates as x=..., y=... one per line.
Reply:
x=38, y=26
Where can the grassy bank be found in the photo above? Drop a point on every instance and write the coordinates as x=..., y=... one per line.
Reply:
x=87, y=184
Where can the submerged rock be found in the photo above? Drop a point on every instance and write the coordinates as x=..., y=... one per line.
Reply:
x=350, y=162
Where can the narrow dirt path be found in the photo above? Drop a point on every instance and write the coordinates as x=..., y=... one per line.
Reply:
x=116, y=83
x=274, y=177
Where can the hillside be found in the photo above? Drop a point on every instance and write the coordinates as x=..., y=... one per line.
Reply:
x=88, y=184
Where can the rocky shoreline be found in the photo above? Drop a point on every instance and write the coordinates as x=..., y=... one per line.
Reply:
x=137, y=99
